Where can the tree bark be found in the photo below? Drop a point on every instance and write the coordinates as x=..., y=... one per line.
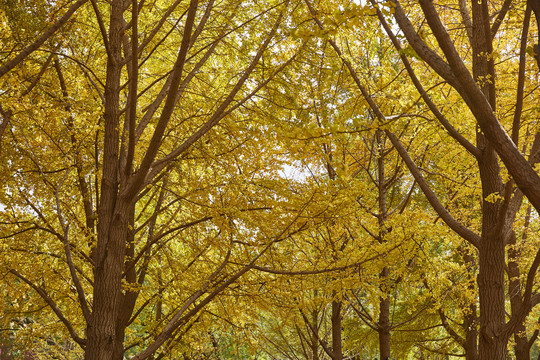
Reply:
x=384, y=321
x=470, y=324
x=314, y=344
x=337, y=348
x=113, y=223
x=383, y=324
x=492, y=342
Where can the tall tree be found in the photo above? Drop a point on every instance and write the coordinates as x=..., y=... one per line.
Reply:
x=106, y=159
x=476, y=89
x=500, y=201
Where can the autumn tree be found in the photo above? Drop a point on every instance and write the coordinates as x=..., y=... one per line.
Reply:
x=105, y=113
x=464, y=58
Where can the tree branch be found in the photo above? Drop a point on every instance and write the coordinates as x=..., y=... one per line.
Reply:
x=53, y=306
x=459, y=228
x=39, y=41
x=467, y=145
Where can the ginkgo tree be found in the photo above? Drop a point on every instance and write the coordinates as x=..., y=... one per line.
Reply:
x=135, y=222
x=464, y=57
x=331, y=135
x=145, y=148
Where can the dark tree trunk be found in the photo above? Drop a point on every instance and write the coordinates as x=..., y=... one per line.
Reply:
x=337, y=349
x=384, y=320
x=383, y=324
x=109, y=254
x=521, y=346
x=314, y=345
x=492, y=342
x=471, y=334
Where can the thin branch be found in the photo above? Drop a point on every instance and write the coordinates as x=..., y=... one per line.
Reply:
x=102, y=29
x=322, y=271
x=521, y=77
x=181, y=317
x=455, y=225
x=43, y=293
x=6, y=117
x=39, y=75
x=466, y=17
x=39, y=41
x=221, y=110
x=316, y=334
x=132, y=93
x=168, y=108
x=67, y=248
x=500, y=17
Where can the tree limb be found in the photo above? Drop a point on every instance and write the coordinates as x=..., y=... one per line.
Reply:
x=53, y=306
x=39, y=41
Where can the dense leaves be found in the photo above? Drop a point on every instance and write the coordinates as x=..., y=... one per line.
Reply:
x=274, y=180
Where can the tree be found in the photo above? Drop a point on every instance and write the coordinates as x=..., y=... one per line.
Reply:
x=477, y=90
x=144, y=160
x=108, y=168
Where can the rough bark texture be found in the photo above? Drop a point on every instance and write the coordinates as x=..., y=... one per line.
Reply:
x=112, y=226
x=470, y=321
x=478, y=92
x=384, y=322
x=522, y=346
x=314, y=344
x=492, y=342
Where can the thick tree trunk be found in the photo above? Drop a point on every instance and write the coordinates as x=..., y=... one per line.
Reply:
x=108, y=256
x=103, y=333
x=492, y=342
x=491, y=255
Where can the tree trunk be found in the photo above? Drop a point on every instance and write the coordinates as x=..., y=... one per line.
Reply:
x=471, y=334
x=384, y=320
x=521, y=347
x=314, y=345
x=108, y=256
x=337, y=350
x=384, y=302
x=492, y=343
x=103, y=334
x=470, y=320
